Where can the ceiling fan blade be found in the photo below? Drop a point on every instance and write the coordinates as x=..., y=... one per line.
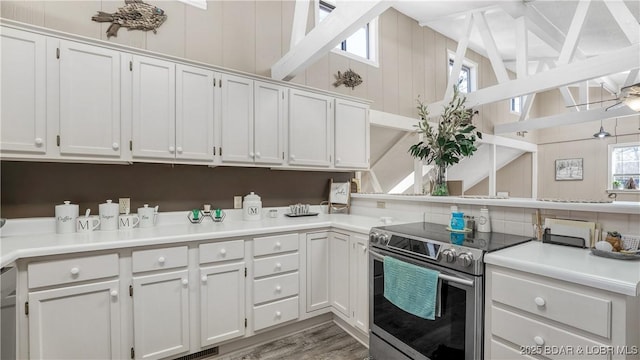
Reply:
x=592, y=102
x=615, y=106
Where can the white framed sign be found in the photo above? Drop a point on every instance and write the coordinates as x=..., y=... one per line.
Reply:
x=339, y=194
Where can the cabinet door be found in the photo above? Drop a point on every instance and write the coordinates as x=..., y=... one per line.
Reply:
x=161, y=315
x=75, y=322
x=222, y=303
x=317, y=271
x=268, y=126
x=89, y=100
x=194, y=113
x=22, y=114
x=339, y=274
x=351, y=135
x=360, y=282
x=310, y=132
x=153, y=110
x=237, y=119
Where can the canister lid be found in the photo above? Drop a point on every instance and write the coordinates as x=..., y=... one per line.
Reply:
x=252, y=197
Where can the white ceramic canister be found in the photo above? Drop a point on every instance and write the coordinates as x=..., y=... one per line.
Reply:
x=148, y=216
x=109, y=215
x=66, y=215
x=252, y=207
x=484, y=221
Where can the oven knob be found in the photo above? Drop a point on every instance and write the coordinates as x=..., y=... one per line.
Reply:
x=466, y=258
x=384, y=239
x=374, y=237
x=449, y=255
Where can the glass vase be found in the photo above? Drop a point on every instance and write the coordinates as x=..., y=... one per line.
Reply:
x=440, y=182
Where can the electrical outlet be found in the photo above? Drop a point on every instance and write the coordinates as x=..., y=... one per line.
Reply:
x=381, y=204
x=237, y=202
x=125, y=204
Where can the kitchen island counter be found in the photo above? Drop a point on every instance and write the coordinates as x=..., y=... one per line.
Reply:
x=571, y=264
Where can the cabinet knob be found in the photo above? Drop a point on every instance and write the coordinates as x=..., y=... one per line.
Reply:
x=278, y=288
x=278, y=245
x=337, y=160
x=258, y=154
x=115, y=146
x=364, y=249
x=161, y=260
x=538, y=340
x=114, y=293
x=278, y=314
x=223, y=252
x=39, y=141
x=204, y=278
x=172, y=149
x=278, y=266
x=251, y=154
x=292, y=157
x=179, y=149
x=75, y=271
x=539, y=301
x=185, y=281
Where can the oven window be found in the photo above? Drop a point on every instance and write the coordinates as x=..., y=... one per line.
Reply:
x=442, y=338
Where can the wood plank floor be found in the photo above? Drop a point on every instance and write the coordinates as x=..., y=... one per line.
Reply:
x=323, y=342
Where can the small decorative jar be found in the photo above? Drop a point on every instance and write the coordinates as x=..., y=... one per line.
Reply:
x=457, y=221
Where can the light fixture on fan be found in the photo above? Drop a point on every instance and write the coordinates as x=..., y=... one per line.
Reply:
x=601, y=134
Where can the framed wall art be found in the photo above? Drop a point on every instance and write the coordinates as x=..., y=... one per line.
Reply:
x=569, y=169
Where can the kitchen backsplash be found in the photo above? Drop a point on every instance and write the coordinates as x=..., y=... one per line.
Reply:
x=32, y=189
x=510, y=220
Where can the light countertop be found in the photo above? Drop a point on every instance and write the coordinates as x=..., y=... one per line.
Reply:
x=16, y=246
x=571, y=264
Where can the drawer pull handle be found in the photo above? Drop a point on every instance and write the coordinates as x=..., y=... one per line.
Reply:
x=278, y=245
x=115, y=146
x=278, y=266
x=161, y=260
x=185, y=282
x=75, y=271
x=39, y=141
x=114, y=293
x=204, y=278
x=278, y=288
x=223, y=252
x=278, y=314
x=538, y=340
x=539, y=301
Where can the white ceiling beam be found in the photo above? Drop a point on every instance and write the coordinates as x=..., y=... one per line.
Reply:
x=522, y=48
x=374, y=182
x=528, y=103
x=493, y=170
x=299, y=26
x=613, y=62
x=508, y=142
x=490, y=45
x=571, y=40
x=568, y=118
x=584, y=95
x=388, y=152
x=625, y=19
x=457, y=62
x=347, y=17
x=392, y=121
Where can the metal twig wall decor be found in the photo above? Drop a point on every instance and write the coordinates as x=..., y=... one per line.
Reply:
x=134, y=15
x=348, y=78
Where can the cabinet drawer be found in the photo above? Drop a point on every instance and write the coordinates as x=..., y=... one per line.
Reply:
x=156, y=259
x=275, y=264
x=275, y=313
x=276, y=287
x=527, y=332
x=66, y=271
x=576, y=309
x=222, y=251
x=500, y=351
x=275, y=244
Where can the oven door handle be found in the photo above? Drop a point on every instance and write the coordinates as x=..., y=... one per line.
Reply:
x=445, y=277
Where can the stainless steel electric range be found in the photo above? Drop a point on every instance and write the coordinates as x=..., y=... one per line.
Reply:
x=457, y=332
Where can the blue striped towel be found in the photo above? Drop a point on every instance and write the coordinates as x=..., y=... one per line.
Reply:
x=412, y=288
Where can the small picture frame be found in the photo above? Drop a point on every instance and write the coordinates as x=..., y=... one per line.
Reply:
x=339, y=195
x=569, y=169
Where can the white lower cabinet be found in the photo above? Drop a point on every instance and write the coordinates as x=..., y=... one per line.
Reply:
x=360, y=282
x=317, y=271
x=339, y=272
x=222, y=299
x=161, y=314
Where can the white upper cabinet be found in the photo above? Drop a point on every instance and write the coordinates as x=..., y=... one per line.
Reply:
x=194, y=113
x=237, y=119
x=23, y=110
x=310, y=130
x=351, y=135
x=89, y=100
x=153, y=108
x=268, y=123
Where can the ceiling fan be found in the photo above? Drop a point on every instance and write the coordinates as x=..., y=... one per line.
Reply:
x=629, y=96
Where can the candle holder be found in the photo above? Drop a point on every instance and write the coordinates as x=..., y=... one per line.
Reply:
x=195, y=216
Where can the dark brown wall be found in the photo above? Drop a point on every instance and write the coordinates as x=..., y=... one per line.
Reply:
x=31, y=189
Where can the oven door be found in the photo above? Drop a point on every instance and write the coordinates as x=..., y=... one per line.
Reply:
x=455, y=334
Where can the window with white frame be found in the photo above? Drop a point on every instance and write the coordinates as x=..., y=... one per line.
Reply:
x=515, y=105
x=624, y=163
x=467, y=78
x=361, y=44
